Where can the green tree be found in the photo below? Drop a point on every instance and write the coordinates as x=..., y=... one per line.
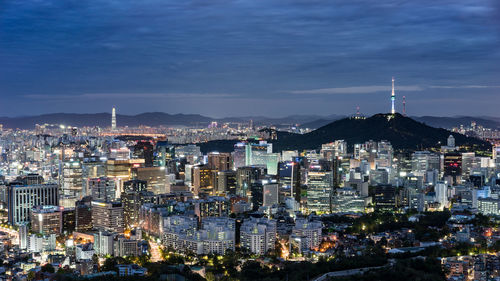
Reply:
x=48, y=268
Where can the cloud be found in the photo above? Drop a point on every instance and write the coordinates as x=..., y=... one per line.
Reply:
x=357, y=90
x=133, y=96
x=465, y=87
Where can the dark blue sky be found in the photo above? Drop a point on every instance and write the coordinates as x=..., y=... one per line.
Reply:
x=249, y=57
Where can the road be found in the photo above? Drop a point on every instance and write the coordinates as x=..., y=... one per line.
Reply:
x=154, y=249
x=348, y=272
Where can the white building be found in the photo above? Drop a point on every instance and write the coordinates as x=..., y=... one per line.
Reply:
x=258, y=235
x=309, y=229
x=441, y=189
x=215, y=236
x=40, y=243
x=84, y=252
x=488, y=206
x=103, y=243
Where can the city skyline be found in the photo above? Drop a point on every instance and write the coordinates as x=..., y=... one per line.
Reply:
x=231, y=58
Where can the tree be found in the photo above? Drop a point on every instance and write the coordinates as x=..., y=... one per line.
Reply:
x=210, y=276
x=48, y=268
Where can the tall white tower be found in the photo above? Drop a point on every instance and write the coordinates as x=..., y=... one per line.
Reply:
x=393, y=97
x=113, y=119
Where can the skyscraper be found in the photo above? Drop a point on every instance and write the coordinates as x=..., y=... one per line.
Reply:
x=393, y=98
x=21, y=198
x=113, y=119
x=319, y=190
x=103, y=189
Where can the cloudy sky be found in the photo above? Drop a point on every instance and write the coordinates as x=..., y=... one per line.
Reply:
x=249, y=57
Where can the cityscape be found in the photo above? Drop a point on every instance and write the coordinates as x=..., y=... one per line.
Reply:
x=128, y=154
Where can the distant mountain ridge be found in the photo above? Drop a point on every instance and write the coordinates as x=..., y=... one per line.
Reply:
x=146, y=119
x=450, y=122
x=161, y=118
x=104, y=120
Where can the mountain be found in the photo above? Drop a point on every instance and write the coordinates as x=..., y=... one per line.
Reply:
x=450, y=122
x=147, y=119
x=161, y=118
x=317, y=123
x=104, y=120
x=403, y=133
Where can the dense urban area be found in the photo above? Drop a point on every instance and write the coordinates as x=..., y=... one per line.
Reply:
x=91, y=203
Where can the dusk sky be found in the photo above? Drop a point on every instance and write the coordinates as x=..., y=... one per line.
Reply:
x=249, y=57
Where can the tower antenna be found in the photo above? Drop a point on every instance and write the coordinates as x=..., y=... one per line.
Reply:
x=404, y=105
x=393, y=97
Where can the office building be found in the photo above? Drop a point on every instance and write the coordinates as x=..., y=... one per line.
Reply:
x=22, y=198
x=319, y=191
x=270, y=194
x=155, y=177
x=453, y=166
x=83, y=214
x=103, y=189
x=46, y=219
x=104, y=242
x=220, y=161
x=226, y=182
x=108, y=216
x=385, y=197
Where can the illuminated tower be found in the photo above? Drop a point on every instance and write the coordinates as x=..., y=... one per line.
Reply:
x=393, y=97
x=404, y=106
x=113, y=119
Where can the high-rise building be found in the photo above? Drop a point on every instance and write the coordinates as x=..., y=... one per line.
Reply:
x=310, y=230
x=132, y=198
x=113, y=119
x=441, y=190
x=121, y=170
x=23, y=236
x=289, y=179
x=220, y=161
x=83, y=214
x=453, y=166
x=385, y=197
x=108, y=216
x=164, y=152
x=245, y=177
x=71, y=182
x=104, y=242
x=489, y=206
x=46, y=219
x=144, y=150
x=103, y=189
x=226, y=182
x=319, y=191
x=204, y=180
x=91, y=168
x=135, y=185
x=258, y=235
x=213, y=206
x=68, y=220
x=155, y=177
x=22, y=198
x=270, y=194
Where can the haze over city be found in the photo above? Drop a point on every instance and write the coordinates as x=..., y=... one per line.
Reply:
x=235, y=58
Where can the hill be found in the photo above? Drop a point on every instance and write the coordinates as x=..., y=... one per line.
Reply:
x=104, y=120
x=402, y=132
x=450, y=122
